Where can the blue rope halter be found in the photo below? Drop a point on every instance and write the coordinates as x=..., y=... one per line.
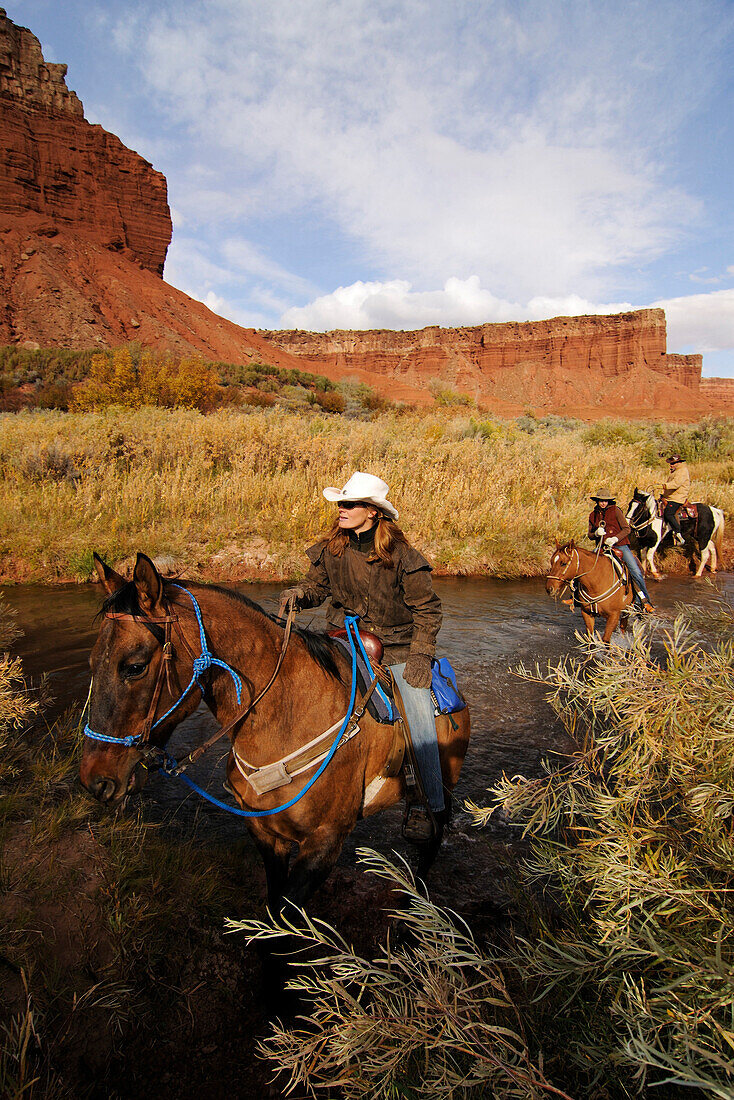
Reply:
x=170, y=766
x=202, y=664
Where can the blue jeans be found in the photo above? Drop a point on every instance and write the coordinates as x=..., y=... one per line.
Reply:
x=422, y=722
x=638, y=577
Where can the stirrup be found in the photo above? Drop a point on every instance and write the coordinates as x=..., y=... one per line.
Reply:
x=418, y=823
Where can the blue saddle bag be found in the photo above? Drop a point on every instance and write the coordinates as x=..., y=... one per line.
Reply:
x=447, y=698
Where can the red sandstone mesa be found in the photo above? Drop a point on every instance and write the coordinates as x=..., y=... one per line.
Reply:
x=84, y=230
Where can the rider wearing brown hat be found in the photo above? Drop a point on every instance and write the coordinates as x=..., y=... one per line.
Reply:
x=675, y=492
x=608, y=525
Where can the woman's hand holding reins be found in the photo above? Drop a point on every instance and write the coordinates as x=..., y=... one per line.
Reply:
x=291, y=597
x=418, y=671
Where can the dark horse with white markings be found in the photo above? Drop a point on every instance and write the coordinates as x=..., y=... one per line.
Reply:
x=310, y=695
x=704, y=534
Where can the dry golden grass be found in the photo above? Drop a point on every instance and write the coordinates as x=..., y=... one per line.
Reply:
x=239, y=492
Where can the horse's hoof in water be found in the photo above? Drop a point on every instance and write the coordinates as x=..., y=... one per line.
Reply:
x=659, y=576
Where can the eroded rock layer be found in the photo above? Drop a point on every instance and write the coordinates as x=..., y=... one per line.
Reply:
x=593, y=365
x=58, y=166
x=84, y=230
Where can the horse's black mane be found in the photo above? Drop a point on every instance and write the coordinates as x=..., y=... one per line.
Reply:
x=125, y=601
x=320, y=647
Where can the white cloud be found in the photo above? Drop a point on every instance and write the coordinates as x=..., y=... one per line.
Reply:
x=244, y=258
x=524, y=144
x=395, y=305
x=702, y=322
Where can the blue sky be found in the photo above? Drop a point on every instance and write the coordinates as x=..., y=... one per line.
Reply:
x=372, y=164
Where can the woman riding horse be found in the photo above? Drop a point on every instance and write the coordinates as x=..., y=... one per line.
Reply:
x=368, y=567
x=286, y=701
x=608, y=526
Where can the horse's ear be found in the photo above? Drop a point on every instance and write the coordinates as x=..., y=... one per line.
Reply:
x=572, y=544
x=558, y=545
x=148, y=582
x=110, y=580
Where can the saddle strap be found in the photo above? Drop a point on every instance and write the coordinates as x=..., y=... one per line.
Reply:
x=278, y=774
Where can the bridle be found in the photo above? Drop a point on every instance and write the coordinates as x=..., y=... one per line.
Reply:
x=651, y=510
x=576, y=576
x=593, y=601
x=201, y=666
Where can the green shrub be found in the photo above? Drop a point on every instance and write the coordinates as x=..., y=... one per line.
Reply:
x=611, y=433
x=445, y=397
x=429, y=1017
x=629, y=884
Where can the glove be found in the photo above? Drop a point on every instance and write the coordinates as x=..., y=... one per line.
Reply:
x=600, y=532
x=417, y=671
x=291, y=596
x=611, y=540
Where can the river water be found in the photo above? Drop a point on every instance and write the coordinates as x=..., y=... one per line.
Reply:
x=490, y=627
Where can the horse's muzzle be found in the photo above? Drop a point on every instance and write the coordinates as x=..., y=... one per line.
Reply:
x=111, y=790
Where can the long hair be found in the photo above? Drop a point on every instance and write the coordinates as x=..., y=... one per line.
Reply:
x=387, y=536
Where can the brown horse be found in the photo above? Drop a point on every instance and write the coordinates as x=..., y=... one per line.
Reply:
x=131, y=693
x=600, y=591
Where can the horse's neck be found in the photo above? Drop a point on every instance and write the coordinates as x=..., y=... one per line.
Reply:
x=238, y=634
x=590, y=562
x=249, y=641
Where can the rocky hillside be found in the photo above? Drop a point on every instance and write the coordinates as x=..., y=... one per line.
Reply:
x=84, y=230
x=589, y=365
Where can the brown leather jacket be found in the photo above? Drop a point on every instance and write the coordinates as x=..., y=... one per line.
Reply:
x=397, y=603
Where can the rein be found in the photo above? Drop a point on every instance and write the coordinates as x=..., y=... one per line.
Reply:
x=171, y=767
x=651, y=510
x=584, y=594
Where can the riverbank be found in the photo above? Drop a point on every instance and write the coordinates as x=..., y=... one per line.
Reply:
x=236, y=495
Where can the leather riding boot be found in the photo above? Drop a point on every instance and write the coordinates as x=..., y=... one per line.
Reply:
x=418, y=823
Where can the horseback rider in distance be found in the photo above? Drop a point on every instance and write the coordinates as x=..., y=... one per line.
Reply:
x=365, y=564
x=675, y=492
x=608, y=526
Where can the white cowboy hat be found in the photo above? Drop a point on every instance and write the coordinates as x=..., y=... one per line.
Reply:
x=366, y=487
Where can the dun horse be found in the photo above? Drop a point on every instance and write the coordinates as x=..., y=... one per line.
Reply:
x=131, y=693
x=599, y=591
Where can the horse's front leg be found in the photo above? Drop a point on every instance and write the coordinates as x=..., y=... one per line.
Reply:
x=317, y=855
x=590, y=622
x=650, y=561
x=612, y=620
x=275, y=853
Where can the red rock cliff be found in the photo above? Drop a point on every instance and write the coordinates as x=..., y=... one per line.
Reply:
x=56, y=165
x=84, y=229
x=609, y=364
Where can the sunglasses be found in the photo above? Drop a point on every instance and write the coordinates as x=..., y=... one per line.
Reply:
x=352, y=504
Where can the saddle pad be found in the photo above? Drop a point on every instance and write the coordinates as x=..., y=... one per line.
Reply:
x=619, y=567
x=380, y=710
